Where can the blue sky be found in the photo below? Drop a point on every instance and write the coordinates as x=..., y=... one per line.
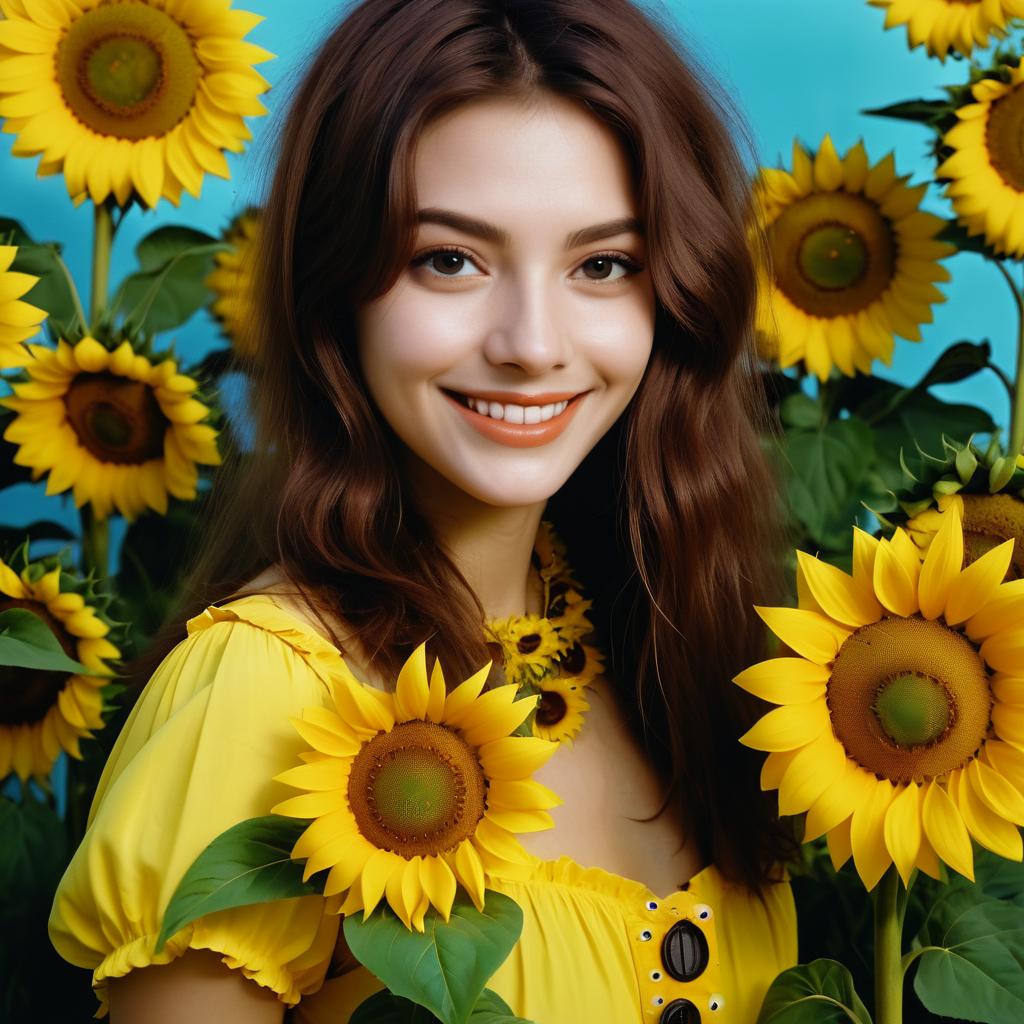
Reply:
x=794, y=68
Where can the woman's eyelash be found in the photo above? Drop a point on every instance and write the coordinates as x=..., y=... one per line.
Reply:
x=621, y=258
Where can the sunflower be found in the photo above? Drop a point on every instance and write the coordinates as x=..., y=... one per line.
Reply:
x=18, y=320
x=958, y=24
x=44, y=712
x=901, y=725
x=121, y=431
x=529, y=643
x=414, y=792
x=560, y=709
x=852, y=260
x=231, y=281
x=986, y=166
x=131, y=97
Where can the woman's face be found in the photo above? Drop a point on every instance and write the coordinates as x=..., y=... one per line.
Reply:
x=508, y=347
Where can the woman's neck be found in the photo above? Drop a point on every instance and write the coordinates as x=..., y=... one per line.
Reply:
x=490, y=545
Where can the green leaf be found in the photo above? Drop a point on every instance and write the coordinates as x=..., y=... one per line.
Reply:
x=800, y=410
x=26, y=641
x=928, y=112
x=33, y=853
x=957, y=234
x=970, y=965
x=169, y=287
x=492, y=1009
x=446, y=968
x=249, y=863
x=820, y=992
x=827, y=471
x=387, y=1008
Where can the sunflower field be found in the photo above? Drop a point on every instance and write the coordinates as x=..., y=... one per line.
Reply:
x=894, y=698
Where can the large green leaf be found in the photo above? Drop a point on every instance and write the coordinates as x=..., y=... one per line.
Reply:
x=249, y=863
x=446, y=967
x=387, y=1008
x=970, y=954
x=820, y=992
x=33, y=851
x=827, y=472
x=168, y=288
x=27, y=642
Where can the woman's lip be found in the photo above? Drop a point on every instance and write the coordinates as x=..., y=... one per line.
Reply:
x=518, y=397
x=518, y=435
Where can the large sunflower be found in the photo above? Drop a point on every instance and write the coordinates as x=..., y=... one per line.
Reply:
x=416, y=791
x=232, y=283
x=130, y=96
x=852, y=260
x=986, y=167
x=18, y=320
x=901, y=726
x=941, y=25
x=42, y=712
x=122, y=432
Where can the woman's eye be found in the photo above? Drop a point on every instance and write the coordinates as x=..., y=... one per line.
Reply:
x=444, y=262
x=603, y=267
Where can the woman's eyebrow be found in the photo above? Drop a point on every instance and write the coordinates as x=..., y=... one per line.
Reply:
x=499, y=236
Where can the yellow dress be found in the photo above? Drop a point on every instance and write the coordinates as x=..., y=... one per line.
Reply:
x=199, y=753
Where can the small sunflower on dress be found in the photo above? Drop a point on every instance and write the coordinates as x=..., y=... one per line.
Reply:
x=43, y=712
x=529, y=643
x=853, y=261
x=138, y=98
x=19, y=320
x=118, y=429
x=415, y=792
x=232, y=283
x=900, y=726
x=944, y=25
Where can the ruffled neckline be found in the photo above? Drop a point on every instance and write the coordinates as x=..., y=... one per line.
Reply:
x=263, y=611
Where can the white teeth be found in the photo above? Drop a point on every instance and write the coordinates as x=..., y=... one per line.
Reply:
x=515, y=413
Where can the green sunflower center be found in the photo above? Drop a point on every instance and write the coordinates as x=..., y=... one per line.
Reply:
x=551, y=708
x=417, y=790
x=26, y=695
x=128, y=70
x=909, y=698
x=833, y=253
x=1004, y=138
x=117, y=419
x=989, y=520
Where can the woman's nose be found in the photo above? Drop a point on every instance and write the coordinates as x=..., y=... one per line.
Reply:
x=528, y=330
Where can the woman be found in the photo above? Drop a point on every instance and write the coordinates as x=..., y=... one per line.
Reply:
x=506, y=275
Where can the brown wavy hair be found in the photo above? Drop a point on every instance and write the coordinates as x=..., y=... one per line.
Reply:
x=671, y=521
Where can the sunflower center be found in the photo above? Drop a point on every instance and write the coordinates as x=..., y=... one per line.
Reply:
x=909, y=698
x=26, y=695
x=833, y=254
x=551, y=708
x=116, y=419
x=128, y=70
x=990, y=519
x=417, y=790
x=1004, y=138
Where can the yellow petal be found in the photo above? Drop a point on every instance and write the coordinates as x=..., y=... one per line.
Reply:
x=325, y=739
x=988, y=828
x=398, y=895
x=840, y=846
x=470, y=873
x=774, y=768
x=1000, y=795
x=465, y=693
x=828, y=171
x=941, y=567
x=438, y=694
x=378, y=869
x=515, y=757
x=903, y=829
x=311, y=805
x=438, y=883
x=978, y=584
x=867, y=834
x=840, y=596
x=348, y=867
x=838, y=801
x=784, y=680
x=521, y=794
x=789, y=727
x=813, y=769
x=330, y=774
x=895, y=577
x=811, y=635
x=946, y=830
x=412, y=690
x=1004, y=611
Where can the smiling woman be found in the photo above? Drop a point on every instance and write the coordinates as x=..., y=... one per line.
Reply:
x=504, y=281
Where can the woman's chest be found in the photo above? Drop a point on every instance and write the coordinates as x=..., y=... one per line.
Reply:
x=608, y=787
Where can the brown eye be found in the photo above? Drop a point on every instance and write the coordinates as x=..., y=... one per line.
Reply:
x=444, y=262
x=447, y=262
x=602, y=266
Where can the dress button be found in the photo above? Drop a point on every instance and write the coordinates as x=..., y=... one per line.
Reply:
x=680, y=1011
x=684, y=953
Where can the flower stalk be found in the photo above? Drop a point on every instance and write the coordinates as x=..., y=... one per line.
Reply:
x=888, y=949
x=1017, y=393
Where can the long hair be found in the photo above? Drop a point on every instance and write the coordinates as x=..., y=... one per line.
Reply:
x=671, y=519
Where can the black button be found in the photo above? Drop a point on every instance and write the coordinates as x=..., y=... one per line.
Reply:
x=684, y=952
x=680, y=1011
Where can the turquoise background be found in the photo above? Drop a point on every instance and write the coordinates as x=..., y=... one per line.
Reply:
x=794, y=68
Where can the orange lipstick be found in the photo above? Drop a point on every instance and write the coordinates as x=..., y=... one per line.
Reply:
x=519, y=435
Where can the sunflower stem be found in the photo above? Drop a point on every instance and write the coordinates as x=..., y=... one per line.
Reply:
x=95, y=543
x=102, y=243
x=1017, y=395
x=889, y=949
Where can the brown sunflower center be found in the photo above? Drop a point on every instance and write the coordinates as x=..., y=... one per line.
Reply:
x=909, y=698
x=832, y=253
x=417, y=790
x=1004, y=138
x=551, y=708
x=989, y=520
x=127, y=70
x=27, y=694
x=574, y=661
x=116, y=419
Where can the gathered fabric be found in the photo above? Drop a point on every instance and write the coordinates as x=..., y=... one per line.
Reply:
x=199, y=753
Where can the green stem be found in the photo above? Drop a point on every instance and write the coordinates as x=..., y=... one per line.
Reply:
x=1017, y=397
x=102, y=242
x=888, y=949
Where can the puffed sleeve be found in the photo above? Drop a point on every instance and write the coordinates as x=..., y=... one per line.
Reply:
x=197, y=755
